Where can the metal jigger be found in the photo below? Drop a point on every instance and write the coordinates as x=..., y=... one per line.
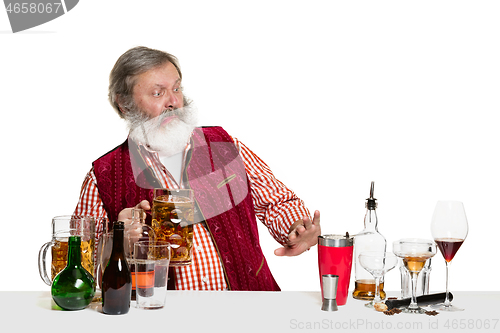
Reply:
x=329, y=292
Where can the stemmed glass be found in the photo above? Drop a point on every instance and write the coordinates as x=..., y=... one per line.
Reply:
x=449, y=229
x=377, y=263
x=414, y=253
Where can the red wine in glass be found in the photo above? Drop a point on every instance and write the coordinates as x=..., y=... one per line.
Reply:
x=449, y=228
x=448, y=247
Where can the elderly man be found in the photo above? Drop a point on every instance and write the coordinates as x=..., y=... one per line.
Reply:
x=166, y=149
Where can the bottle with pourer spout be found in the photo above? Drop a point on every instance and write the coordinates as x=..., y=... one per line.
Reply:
x=368, y=240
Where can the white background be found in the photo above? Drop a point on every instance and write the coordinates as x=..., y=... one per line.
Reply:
x=331, y=94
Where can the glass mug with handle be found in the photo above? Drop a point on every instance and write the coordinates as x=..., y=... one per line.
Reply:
x=173, y=219
x=62, y=228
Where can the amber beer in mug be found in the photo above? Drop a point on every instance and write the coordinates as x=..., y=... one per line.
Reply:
x=59, y=251
x=62, y=228
x=173, y=218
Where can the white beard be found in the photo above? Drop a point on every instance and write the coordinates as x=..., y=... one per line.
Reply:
x=169, y=139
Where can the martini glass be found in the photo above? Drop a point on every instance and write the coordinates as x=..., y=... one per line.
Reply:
x=377, y=263
x=414, y=253
x=449, y=229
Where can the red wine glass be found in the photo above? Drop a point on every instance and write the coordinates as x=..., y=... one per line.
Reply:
x=449, y=229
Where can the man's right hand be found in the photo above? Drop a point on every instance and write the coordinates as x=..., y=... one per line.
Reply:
x=133, y=230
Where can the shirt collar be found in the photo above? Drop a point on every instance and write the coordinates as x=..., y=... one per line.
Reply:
x=147, y=152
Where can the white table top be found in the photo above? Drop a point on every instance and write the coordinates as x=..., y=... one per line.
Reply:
x=232, y=311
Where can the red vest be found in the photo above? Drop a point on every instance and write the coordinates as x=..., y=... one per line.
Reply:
x=216, y=173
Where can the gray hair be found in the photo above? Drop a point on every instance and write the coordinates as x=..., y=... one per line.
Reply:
x=122, y=78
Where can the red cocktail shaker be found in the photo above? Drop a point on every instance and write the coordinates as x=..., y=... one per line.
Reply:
x=335, y=257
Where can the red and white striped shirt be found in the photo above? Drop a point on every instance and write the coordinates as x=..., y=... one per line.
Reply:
x=275, y=205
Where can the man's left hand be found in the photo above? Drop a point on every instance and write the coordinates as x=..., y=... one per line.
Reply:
x=303, y=234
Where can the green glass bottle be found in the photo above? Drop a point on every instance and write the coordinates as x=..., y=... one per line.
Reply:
x=74, y=287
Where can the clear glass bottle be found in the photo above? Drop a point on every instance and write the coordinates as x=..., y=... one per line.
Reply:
x=137, y=231
x=116, y=279
x=368, y=240
x=74, y=287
